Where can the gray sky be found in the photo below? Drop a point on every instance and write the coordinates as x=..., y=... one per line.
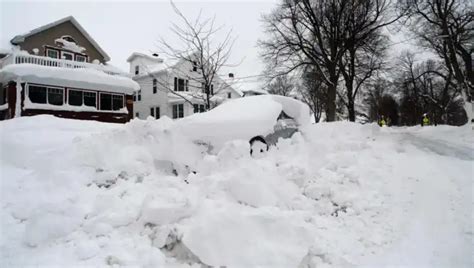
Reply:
x=121, y=28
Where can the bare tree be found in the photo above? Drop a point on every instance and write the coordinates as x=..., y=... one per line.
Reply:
x=446, y=27
x=365, y=47
x=200, y=49
x=428, y=87
x=281, y=85
x=314, y=33
x=313, y=92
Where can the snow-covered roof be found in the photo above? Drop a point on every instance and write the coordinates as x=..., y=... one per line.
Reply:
x=21, y=38
x=255, y=90
x=83, y=78
x=144, y=55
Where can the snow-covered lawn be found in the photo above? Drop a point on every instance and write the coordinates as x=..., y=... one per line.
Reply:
x=341, y=194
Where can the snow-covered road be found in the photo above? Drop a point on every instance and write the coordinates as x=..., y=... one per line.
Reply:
x=435, y=199
x=341, y=194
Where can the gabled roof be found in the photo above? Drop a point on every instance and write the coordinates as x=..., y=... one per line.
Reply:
x=21, y=38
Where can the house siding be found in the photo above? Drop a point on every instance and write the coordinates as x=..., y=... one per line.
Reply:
x=46, y=38
x=161, y=98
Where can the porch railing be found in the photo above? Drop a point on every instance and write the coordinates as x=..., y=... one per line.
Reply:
x=16, y=58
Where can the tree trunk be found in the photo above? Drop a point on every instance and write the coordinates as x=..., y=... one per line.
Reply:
x=351, y=109
x=331, y=99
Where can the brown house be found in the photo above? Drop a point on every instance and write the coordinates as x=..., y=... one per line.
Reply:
x=59, y=69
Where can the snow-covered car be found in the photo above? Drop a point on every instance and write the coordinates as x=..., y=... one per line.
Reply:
x=261, y=120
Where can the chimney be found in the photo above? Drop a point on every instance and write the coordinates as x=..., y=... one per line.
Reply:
x=231, y=75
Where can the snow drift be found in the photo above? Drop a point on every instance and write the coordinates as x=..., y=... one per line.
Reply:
x=94, y=194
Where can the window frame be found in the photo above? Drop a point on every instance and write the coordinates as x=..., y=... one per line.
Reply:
x=176, y=114
x=58, y=53
x=47, y=98
x=83, y=96
x=81, y=55
x=182, y=86
x=111, y=101
x=67, y=53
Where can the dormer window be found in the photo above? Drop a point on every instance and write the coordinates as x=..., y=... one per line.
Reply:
x=137, y=70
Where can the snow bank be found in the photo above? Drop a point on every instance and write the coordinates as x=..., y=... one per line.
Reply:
x=79, y=193
x=83, y=78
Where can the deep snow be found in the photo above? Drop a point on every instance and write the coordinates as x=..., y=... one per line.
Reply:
x=339, y=194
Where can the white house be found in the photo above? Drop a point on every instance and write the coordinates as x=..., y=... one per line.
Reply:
x=172, y=87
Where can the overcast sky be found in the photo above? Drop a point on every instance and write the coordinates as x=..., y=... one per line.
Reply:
x=121, y=28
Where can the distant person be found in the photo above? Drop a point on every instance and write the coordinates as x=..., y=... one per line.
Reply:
x=426, y=120
x=382, y=122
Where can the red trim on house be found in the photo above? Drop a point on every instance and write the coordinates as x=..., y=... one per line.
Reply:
x=102, y=116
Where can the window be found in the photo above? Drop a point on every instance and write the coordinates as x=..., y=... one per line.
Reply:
x=195, y=68
x=56, y=96
x=139, y=95
x=137, y=70
x=155, y=112
x=110, y=102
x=202, y=88
x=212, y=89
x=52, y=53
x=229, y=95
x=67, y=55
x=117, y=102
x=46, y=95
x=180, y=84
x=178, y=111
x=75, y=97
x=37, y=94
x=81, y=58
x=137, y=115
x=154, y=86
x=105, y=102
x=134, y=96
x=90, y=99
x=187, y=83
x=198, y=108
x=79, y=98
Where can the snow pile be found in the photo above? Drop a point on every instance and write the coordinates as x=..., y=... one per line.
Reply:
x=142, y=194
x=71, y=46
x=84, y=78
